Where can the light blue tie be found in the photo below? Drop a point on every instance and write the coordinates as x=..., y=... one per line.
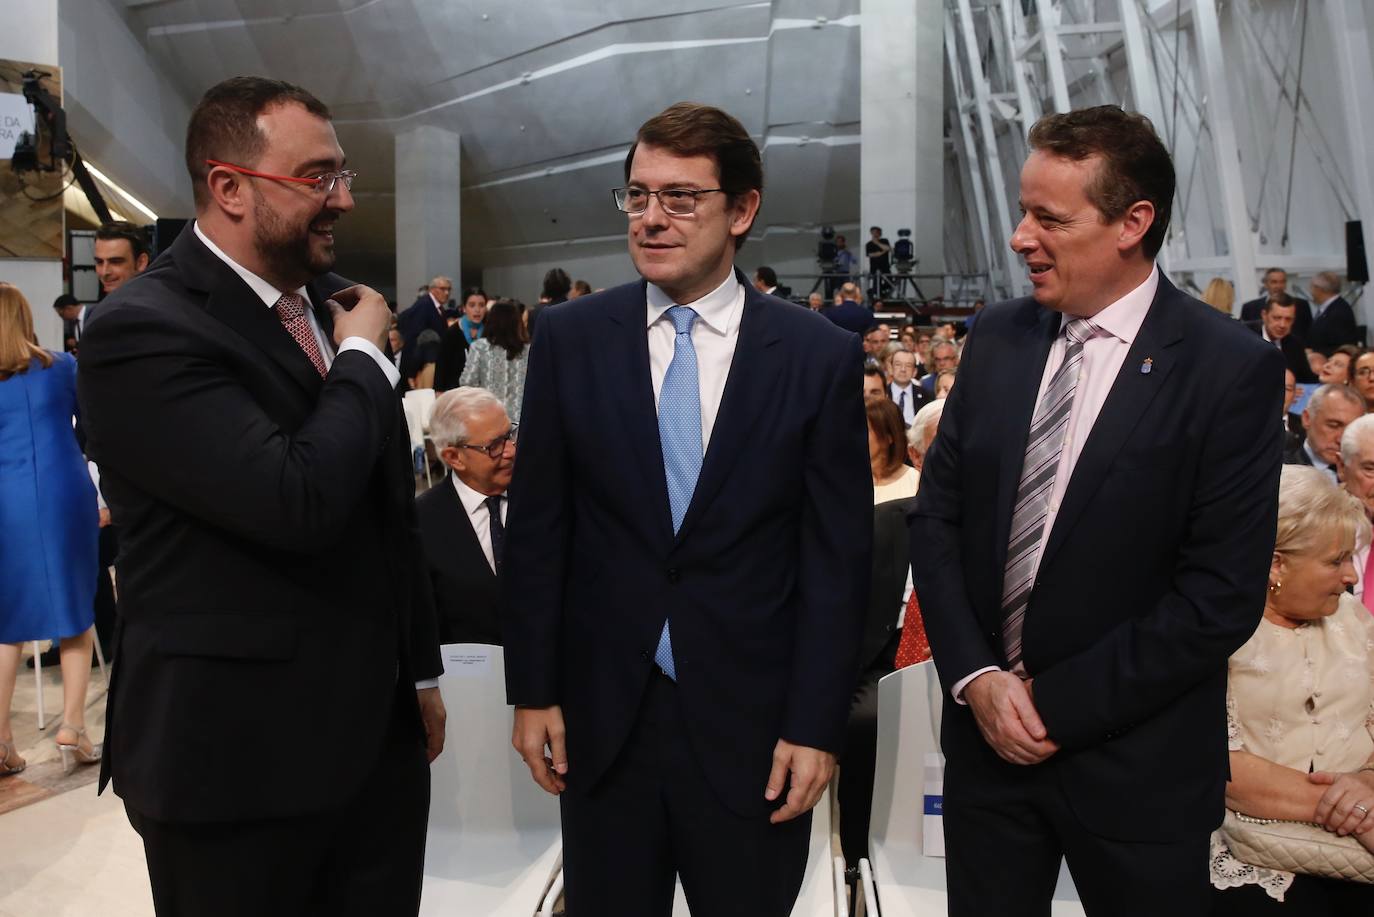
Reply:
x=679, y=432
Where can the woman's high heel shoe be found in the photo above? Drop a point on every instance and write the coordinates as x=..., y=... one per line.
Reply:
x=6, y=768
x=73, y=754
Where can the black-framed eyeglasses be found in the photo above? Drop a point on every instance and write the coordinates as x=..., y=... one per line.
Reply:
x=497, y=446
x=679, y=202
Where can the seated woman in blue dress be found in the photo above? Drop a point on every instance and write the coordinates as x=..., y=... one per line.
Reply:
x=48, y=528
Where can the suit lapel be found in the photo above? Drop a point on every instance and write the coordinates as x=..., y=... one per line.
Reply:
x=231, y=302
x=459, y=521
x=1126, y=403
x=628, y=359
x=1038, y=327
x=746, y=394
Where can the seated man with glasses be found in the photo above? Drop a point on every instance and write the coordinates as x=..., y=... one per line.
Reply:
x=463, y=519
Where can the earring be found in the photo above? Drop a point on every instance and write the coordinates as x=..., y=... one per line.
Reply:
x=1274, y=587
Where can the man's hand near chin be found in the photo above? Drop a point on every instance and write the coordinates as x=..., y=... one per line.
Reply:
x=1007, y=718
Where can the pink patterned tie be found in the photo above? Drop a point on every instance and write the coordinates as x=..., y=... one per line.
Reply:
x=291, y=310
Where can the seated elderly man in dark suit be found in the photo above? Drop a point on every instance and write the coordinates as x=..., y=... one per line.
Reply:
x=463, y=519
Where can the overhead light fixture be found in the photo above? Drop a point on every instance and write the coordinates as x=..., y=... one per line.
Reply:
x=114, y=186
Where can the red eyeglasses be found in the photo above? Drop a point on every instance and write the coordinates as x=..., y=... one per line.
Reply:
x=323, y=183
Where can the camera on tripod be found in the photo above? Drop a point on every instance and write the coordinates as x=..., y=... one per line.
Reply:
x=827, y=252
x=903, y=253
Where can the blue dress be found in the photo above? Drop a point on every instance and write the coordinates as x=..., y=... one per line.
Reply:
x=49, y=521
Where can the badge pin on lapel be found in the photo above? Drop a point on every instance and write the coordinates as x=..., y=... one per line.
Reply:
x=1147, y=366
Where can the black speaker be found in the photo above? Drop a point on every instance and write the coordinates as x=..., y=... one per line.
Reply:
x=1356, y=265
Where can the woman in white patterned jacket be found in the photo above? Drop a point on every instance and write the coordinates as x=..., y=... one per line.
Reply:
x=497, y=361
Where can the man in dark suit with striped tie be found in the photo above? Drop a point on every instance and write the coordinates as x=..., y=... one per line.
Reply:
x=1096, y=520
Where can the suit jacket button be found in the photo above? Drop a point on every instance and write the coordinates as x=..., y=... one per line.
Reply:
x=674, y=575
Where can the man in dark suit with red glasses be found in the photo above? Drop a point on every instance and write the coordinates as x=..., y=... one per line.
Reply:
x=269, y=716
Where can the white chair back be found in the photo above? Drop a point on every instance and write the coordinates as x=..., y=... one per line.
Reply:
x=494, y=841
x=423, y=399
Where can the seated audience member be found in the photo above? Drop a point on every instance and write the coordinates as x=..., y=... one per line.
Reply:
x=1220, y=295
x=944, y=356
x=893, y=478
x=850, y=315
x=1299, y=696
x=921, y=433
x=944, y=382
x=873, y=344
x=1330, y=409
x=1362, y=374
x=497, y=362
x=903, y=390
x=462, y=520
x=453, y=346
x=815, y=301
x=1275, y=282
x=906, y=336
x=1338, y=368
x=1356, y=461
x=1292, y=422
x=875, y=383
x=579, y=288
x=1276, y=327
x=1333, y=321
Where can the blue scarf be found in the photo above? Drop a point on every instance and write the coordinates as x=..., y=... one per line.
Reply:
x=468, y=328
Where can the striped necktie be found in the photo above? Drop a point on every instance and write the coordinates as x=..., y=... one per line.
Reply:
x=1044, y=446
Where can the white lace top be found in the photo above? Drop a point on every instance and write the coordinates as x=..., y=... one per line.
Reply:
x=1302, y=697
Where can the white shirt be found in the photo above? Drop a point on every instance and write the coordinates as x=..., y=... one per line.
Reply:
x=270, y=294
x=1103, y=357
x=909, y=408
x=438, y=306
x=474, y=502
x=714, y=336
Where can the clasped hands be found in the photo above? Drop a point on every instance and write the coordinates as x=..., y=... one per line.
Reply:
x=1004, y=709
x=1337, y=812
x=538, y=729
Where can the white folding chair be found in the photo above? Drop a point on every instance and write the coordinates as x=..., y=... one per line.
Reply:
x=906, y=882
x=494, y=846
x=38, y=675
x=416, y=431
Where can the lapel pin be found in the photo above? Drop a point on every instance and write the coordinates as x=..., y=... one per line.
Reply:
x=1148, y=365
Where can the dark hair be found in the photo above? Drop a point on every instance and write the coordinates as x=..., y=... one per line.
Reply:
x=502, y=328
x=1135, y=166
x=885, y=420
x=876, y=371
x=471, y=292
x=224, y=124
x=767, y=275
x=876, y=326
x=119, y=229
x=693, y=129
x=556, y=284
x=582, y=287
x=64, y=300
x=877, y=229
x=1282, y=299
x=1275, y=270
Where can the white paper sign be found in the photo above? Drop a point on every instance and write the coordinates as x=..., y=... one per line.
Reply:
x=467, y=664
x=16, y=117
x=933, y=808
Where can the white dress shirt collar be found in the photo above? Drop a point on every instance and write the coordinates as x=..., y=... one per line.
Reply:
x=717, y=309
x=438, y=305
x=473, y=500
x=1123, y=318
x=1316, y=460
x=264, y=290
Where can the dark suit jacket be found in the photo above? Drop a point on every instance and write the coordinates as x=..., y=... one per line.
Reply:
x=467, y=594
x=1153, y=575
x=765, y=582
x=453, y=358
x=1334, y=327
x=1294, y=356
x=1302, y=321
x=920, y=397
x=850, y=316
x=420, y=316
x=891, y=561
x=1294, y=453
x=268, y=556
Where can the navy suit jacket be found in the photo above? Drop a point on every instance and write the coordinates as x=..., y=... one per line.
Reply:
x=1294, y=356
x=1302, y=321
x=421, y=316
x=1334, y=327
x=766, y=582
x=850, y=316
x=1152, y=576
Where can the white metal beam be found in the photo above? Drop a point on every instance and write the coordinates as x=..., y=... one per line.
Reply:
x=1014, y=29
x=1212, y=64
x=1016, y=280
x=966, y=149
x=1054, y=53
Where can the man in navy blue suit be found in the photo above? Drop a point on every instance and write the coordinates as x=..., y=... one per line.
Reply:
x=1096, y=522
x=688, y=551
x=427, y=312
